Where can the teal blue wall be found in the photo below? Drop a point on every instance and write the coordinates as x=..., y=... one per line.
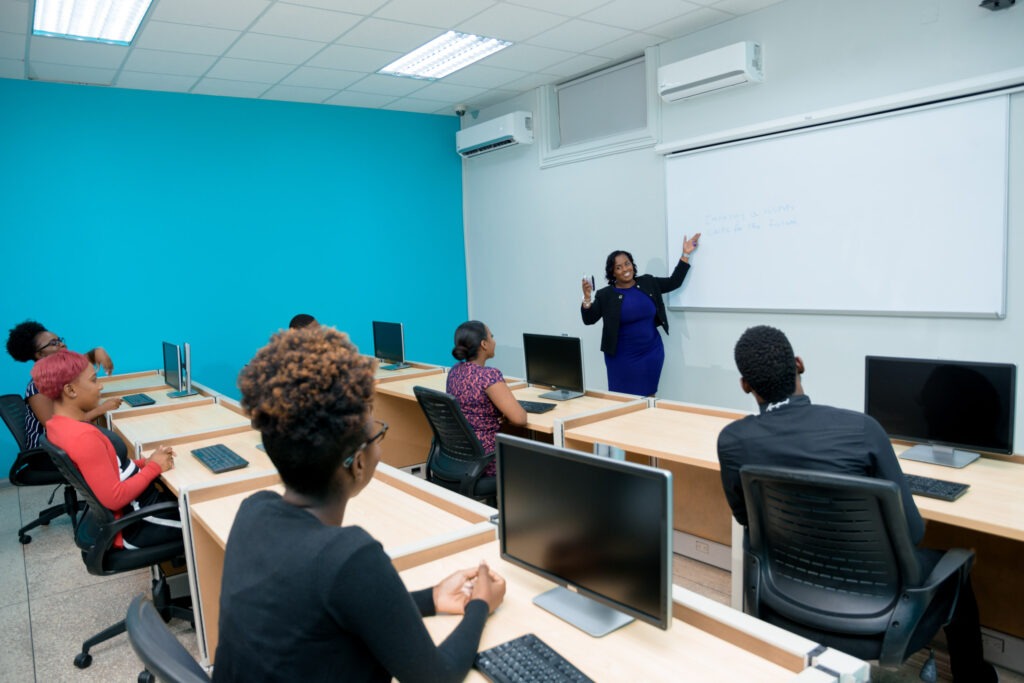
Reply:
x=131, y=217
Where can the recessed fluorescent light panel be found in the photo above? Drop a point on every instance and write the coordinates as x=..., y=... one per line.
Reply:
x=444, y=55
x=104, y=21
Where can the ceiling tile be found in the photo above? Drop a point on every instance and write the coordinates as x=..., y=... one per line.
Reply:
x=12, y=68
x=249, y=70
x=419, y=106
x=448, y=93
x=743, y=6
x=291, y=93
x=312, y=77
x=510, y=22
x=389, y=35
x=529, y=82
x=638, y=15
x=216, y=86
x=67, y=73
x=274, y=49
x=173, y=63
x=230, y=14
x=569, y=8
x=689, y=23
x=148, y=81
x=578, y=35
x=576, y=66
x=308, y=23
x=353, y=58
x=360, y=99
x=76, y=52
x=353, y=6
x=12, y=45
x=388, y=85
x=161, y=35
x=632, y=45
x=483, y=76
x=14, y=16
x=493, y=97
x=442, y=15
x=527, y=58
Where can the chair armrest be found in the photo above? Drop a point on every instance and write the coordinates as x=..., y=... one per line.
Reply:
x=27, y=459
x=915, y=601
x=108, y=532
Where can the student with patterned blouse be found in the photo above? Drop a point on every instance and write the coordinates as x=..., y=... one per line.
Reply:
x=481, y=391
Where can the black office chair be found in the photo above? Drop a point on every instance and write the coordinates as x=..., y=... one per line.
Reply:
x=830, y=558
x=33, y=467
x=95, y=535
x=164, y=657
x=457, y=460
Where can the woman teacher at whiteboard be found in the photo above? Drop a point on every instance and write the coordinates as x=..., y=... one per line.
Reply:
x=632, y=308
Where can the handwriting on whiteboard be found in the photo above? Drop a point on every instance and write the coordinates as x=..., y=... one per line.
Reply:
x=772, y=217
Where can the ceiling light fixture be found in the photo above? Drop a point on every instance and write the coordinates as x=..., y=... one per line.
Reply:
x=444, y=55
x=104, y=21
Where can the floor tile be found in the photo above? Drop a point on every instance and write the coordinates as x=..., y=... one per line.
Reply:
x=13, y=586
x=16, y=637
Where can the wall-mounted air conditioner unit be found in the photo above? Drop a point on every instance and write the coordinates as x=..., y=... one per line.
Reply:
x=722, y=68
x=504, y=131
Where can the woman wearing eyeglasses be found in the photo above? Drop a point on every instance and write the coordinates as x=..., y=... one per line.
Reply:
x=30, y=341
x=303, y=597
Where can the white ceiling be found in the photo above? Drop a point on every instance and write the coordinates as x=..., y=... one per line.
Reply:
x=327, y=51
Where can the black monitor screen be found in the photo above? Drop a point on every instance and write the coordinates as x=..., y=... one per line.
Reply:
x=954, y=403
x=554, y=361
x=172, y=366
x=602, y=526
x=388, y=343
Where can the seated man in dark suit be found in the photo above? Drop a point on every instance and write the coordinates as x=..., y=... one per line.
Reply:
x=791, y=432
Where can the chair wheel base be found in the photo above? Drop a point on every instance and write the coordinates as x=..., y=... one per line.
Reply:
x=83, y=660
x=24, y=540
x=146, y=677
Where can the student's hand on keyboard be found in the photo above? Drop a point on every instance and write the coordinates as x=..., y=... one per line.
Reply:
x=163, y=456
x=110, y=404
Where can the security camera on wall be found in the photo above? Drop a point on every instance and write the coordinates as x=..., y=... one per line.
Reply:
x=461, y=109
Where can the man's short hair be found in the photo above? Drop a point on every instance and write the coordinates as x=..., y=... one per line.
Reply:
x=300, y=321
x=765, y=360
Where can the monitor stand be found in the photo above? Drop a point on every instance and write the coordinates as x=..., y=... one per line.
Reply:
x=182, y=394
x=582, y=612
x=395, y=366
x=561, y=395
x=940, y=455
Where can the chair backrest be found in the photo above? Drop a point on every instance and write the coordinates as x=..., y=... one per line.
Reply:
x=832, y=551
x=160, y=652
x=12, y=409
x=452, y=432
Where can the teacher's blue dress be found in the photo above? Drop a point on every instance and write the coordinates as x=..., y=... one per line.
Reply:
x=636, y=366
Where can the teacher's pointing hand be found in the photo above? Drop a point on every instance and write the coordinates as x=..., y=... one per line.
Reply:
x=689, y=244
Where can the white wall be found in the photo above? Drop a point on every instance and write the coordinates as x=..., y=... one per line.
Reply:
x=531, y=234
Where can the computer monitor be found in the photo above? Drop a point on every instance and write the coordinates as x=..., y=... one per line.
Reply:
x=554, y=361
x=954, y=408
x=600, y=526
x=389, y=345
x=178, y=370
x=172, y=366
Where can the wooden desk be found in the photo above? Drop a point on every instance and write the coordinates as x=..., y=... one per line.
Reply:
x=550, y=423
x=743, y=650
x=132, y=383
x=678, y=437
x=154, y=423
x=415, y=521
x=188, y=472
x=409, y=437
x=414, y=370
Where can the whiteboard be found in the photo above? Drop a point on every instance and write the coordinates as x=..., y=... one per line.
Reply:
x=902, y=214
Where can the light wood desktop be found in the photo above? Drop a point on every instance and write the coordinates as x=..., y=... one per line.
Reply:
x=415, y=521
x=132, y=383
x=152, y=423
x=744, y=650
x=188, y=472
x=678, y=437
x=414, y=370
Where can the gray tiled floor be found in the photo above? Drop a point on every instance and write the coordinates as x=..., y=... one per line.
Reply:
x=49, y=604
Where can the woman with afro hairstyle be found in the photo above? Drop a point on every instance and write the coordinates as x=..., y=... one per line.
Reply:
x=30, y=341
x=119, y=483
x=305, y=598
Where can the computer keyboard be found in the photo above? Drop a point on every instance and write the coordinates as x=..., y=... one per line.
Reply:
x=935, y=488
x=524, y=660
x=219, y=458
x=136, y=400
x=537, y=406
